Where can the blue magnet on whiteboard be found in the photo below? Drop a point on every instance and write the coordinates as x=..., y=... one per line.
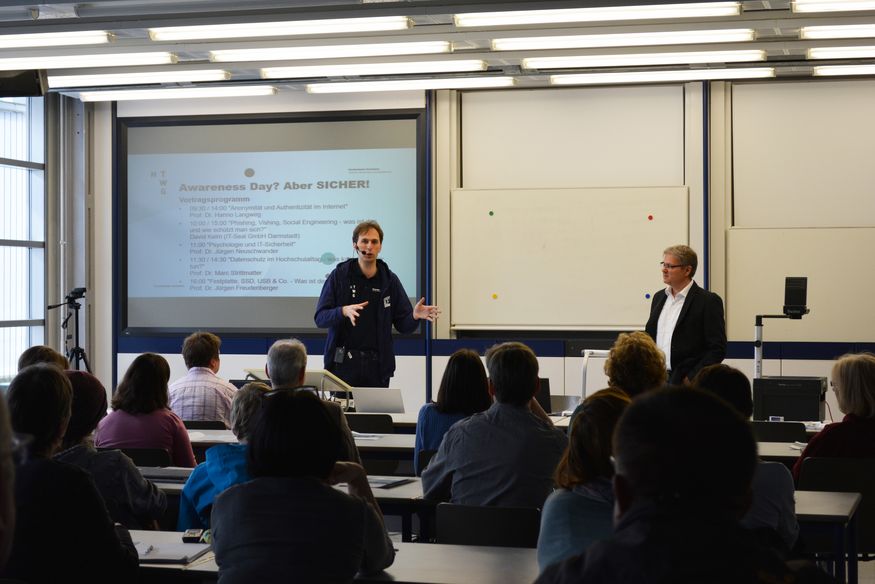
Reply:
x=647, y=296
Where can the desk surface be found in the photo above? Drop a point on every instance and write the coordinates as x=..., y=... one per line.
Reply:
x=405, y=420
x=826, y=507
x=779, y=451
x=365, y=443
x=415, y=563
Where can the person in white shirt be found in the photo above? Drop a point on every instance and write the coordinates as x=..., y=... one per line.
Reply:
x=202, y=395
x=686, y=321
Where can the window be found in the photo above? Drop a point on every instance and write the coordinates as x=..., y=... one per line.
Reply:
x=22, y=229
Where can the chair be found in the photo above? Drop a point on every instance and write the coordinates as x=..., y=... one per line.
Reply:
x=779, y=431
x=146, y=456
x=493, y=526
x=204, y=424
x=371, y=423
x=374, y=424
x=848, y=475
x=424, y=459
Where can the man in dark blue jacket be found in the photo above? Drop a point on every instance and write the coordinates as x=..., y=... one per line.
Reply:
x=359, y=303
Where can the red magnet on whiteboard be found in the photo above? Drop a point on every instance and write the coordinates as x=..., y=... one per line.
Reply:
x=650, y=217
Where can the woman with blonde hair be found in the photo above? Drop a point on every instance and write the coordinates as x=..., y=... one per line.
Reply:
x=635, y=364
x=853, y=380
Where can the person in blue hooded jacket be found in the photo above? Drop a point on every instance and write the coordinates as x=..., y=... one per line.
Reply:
x=360, y=301
x=225, y=464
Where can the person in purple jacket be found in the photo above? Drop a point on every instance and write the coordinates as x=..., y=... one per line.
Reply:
x=360, y=301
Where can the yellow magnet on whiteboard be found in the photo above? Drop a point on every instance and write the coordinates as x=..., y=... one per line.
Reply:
x=495, y=296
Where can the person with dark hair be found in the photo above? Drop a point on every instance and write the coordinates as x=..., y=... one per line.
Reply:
x=63, y=532
x=288, y=523
x=772, y=513
x=131, y=500
x=360, y=301
x=225, y=464
x=853, y=380
x=580, y=511
x=683, y=461
x=686, y=321
x=506, y=455
x=42, y=354
x=201, y=394
x=141, y=417
x=464, y=390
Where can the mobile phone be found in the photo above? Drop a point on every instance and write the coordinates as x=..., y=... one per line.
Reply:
x=192, y=535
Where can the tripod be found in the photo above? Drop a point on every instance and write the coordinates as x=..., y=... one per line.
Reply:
x=75, y=354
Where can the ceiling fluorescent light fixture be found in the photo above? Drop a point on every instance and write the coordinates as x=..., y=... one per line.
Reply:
x=331, y=51
x=661, y=76
x=179, y=93
x=142, y=78
x=271, y=29
x=638, y=39
x=831, y=5
x=86, y=61
x=357, y=69
x=841, y=52
x=641, y=59
x=412, y=85
x=850, y=31
x=837, y=70
x=599, y=14
x=54, y=39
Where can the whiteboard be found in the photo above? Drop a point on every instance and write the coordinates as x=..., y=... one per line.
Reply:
x=557, y=259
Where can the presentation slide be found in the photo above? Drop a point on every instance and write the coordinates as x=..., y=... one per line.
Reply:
x=244, y=240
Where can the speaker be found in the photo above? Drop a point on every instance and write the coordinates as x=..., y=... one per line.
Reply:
x=30, y=83
x=795, y=296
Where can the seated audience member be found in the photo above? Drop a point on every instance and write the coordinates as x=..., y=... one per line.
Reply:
x=201, y=394
x=225, y=464
x=63, y=532
x=853, y=380
x=7, y=485
x=635, y=364
x=773, y=510
x=131, y=500
x=289, y=524
x=506, y=455
x=286, y=368
x=42, y=354
x=463, y=391
x=684, y=461
x=141, y=418
x=581, y=510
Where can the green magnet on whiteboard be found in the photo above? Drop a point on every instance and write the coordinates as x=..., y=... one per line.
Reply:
x=491, y=213
x=327, y=258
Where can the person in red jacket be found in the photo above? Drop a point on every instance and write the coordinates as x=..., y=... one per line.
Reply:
x=853, y=380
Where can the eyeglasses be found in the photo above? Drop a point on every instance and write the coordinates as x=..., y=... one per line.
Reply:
x=670, y=266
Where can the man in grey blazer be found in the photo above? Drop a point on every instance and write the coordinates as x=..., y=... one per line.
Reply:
x=686, y=321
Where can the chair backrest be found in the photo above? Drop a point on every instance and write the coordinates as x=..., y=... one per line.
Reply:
x=493, y=526
x=424, y=459
x=846, y=475
x=146, y=456
x=371, y=423
x=779, y=431
x=204, y=424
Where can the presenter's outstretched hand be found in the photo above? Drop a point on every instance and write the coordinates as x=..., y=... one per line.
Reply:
x=423, y=311
x=351, y=311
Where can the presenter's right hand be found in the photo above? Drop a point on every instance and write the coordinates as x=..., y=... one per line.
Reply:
x=351, y=311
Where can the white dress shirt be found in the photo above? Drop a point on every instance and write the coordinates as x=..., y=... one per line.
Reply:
x=668, y=318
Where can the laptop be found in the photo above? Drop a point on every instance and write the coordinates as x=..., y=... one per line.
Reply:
x=380, y=400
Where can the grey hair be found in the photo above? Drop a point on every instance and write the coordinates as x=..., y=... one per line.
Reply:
x=286, y=359
x=685, y=255
x=245, y=405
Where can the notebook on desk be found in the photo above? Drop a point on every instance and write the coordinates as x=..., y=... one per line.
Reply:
x=380, y=400
x=170, y=553
x=167, y=474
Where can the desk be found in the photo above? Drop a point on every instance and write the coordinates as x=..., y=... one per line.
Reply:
x=414, y=564
x=838, y=510
x=383, y=443
x=403, y=423
x=784, y=452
